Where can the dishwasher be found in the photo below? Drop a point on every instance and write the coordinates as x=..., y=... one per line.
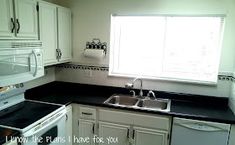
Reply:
x=194, y=132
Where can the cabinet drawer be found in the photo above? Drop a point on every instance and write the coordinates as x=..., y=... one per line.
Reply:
x=157, y=122
x=115, y=116
x=87, y=113
x=142, y=120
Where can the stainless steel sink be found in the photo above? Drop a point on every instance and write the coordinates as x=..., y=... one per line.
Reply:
x=137, y=103
x=159, y=104
x=122, y=100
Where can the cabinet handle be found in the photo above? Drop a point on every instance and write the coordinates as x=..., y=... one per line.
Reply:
x=85, y=113
x=13, y=25
x=60, y=53
x=66, y=117
x=128, y=133
x=93, y=128
x=133, y=135
x=18, y=25
x=57, y=54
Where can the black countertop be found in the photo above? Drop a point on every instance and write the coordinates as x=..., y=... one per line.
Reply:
x=206, y=108
x=7, y=134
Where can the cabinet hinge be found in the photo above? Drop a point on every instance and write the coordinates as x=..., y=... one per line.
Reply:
x=37, y=7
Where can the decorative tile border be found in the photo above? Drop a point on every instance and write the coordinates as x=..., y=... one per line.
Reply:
x=226, y=78
x=221, y=77
x=83, y=67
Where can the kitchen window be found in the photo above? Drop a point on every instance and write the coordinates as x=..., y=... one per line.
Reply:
x=179, y=48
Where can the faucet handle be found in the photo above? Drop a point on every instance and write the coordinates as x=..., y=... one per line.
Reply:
x=129, y=85
x=153, y=94
x=132, y=92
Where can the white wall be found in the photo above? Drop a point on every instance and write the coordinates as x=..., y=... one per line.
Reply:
x=91, y=19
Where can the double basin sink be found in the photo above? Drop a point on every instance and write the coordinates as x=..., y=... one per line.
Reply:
x=128, y=101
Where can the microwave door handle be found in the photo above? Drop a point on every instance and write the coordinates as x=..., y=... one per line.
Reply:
x=36, y=63
x=33, y=132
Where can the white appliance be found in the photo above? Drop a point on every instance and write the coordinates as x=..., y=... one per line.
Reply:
x=20, y=61
x=49, y=131
x=194, y=132
x=40, y=123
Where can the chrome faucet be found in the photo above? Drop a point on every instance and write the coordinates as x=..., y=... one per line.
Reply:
x=153, y=94
x=131, y=85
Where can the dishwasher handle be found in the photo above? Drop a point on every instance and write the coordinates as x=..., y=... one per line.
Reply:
x=200, y=127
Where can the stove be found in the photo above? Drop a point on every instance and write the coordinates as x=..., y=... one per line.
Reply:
x=25, y=113
x=32, y=118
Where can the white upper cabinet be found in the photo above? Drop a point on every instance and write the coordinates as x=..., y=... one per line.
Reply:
x=26, y=18
x=64, y=33
x=48, y=31
x=55, y=33
x=18, y=19
x=6, y=19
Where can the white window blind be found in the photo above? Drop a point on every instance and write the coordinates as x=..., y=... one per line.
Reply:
x=183, y=48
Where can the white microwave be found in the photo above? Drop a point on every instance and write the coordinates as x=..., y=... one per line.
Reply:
x=20, y=61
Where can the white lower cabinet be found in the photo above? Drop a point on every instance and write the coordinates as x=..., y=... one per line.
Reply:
x=114, y=133
x=146, y=136
x=86, y=132
x=133, y=128
x=110, y=126
x=232, y=135
x=119, y=134
x=84, y=124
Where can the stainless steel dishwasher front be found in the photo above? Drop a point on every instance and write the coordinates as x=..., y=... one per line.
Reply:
x=195, y=132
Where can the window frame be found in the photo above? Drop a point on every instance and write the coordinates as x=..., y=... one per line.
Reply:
x=111, y=53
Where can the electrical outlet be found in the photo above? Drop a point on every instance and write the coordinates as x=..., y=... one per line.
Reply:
x=88, y=73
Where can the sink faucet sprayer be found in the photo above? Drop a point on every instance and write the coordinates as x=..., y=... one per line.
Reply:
x=131, y=85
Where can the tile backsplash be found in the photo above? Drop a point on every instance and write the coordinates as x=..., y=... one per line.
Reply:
x=98, y=75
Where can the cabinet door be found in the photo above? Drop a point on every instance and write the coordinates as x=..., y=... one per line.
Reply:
x=26, y=19
x=6, y=19
x=48, y=31
x=119, y=133
x=86, y=130
x=69, y=125
x=64, y=33
x=144, y=136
